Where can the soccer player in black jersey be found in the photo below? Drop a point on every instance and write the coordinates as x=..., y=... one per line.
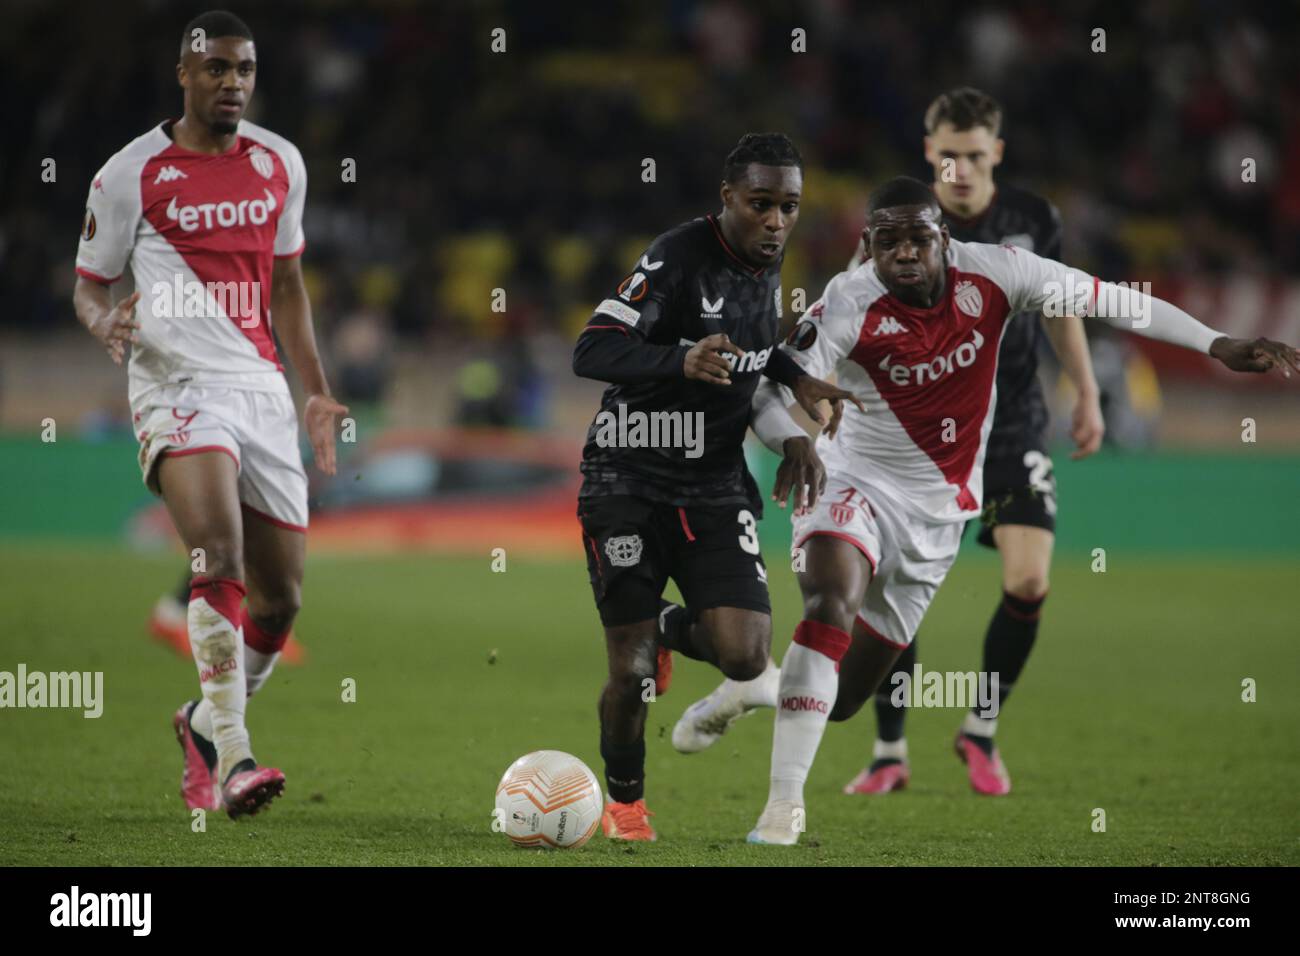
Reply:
x=683, y=342
x=1019, y=517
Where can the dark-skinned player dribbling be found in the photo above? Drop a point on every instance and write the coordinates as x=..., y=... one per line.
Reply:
x=684, y=341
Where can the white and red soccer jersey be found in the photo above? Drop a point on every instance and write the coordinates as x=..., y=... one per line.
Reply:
x=201, y=233
x=927, y=376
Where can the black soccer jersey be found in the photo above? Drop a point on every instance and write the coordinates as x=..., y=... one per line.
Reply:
x=659, y=435
x=1018, y=218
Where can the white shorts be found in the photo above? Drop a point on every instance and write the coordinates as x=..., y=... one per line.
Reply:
x=259, y=430
x=909, y=556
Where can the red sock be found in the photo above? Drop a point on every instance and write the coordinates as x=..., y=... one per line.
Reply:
x=224, y=595
x=264, y=642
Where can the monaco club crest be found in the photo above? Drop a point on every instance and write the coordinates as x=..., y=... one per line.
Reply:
x=261, y=161
x=968, y=299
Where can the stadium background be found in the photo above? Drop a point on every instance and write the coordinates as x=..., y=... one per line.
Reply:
x=522, y=171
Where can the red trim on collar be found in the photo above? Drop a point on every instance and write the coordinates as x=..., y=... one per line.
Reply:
x=717, y=231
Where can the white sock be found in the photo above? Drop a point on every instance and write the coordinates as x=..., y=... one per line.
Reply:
x=890, y=749
x=809, y=683
x=217, y=645
x=977, y=726
x=761, y=691
x=258, y=667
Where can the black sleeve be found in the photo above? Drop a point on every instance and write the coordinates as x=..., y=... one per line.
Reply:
x=1051, y=248
x=614, y=347
x=782, y=369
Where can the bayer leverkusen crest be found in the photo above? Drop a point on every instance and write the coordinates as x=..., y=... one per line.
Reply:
x=968, y=299
x=261, y=161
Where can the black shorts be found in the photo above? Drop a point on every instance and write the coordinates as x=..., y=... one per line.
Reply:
x=1018, y=489
x=634, y=546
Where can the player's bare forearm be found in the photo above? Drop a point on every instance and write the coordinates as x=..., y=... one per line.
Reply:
x=291, y=311
x=1070, y=343
x=114, y=325
x=91, y=301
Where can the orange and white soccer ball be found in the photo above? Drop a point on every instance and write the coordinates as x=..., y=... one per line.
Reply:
x=549, y=799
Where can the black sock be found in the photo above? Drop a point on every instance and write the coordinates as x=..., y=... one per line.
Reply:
x=206, y=748
x=1009, y=640
x=889, y=718
x=675, y=633
x=624, y=770
x=248, y=763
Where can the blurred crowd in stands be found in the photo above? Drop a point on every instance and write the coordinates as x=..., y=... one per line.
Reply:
x=522, y=170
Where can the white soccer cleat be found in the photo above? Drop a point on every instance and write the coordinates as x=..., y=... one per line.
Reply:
x=706, y=720
x=780, y=825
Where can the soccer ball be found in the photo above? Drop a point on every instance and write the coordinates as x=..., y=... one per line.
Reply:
x=549, y=799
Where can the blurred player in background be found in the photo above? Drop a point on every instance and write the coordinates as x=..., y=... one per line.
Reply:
x=686, y=337
x=905, y=478
x=962, y=144
x=207, y=211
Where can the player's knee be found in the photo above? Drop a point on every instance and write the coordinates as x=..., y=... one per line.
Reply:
x=829, y=608
x=1028, y=584
x=275, y=613
x=744, y=663
x=219, y=558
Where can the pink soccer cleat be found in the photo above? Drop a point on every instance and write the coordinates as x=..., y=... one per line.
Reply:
x=987, y=773
x=884, y=779
x=247, y=791
x=198, y=788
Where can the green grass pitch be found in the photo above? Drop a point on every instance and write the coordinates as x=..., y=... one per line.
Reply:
x=1131, y=703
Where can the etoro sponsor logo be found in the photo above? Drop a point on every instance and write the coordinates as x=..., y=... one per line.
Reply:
x=224, y=214
x=963, y=356
x=638, y=429
x=78, y=690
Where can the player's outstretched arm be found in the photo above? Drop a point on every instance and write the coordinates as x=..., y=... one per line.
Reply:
x=1152, y=317
x=801, y=471
x=1070, y=343
x=113, y=325
x=292, y=311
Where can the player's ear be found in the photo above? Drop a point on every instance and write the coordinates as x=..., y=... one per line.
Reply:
x=725, y=193
x=930, y=156
x=943, y=231
x=180, y=75
x=998, y=145
x=866, y=243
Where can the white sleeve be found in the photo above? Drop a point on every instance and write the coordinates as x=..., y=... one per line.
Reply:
x=1056, y=289
x=289, y=237
x=109, y=228
x=818, y=343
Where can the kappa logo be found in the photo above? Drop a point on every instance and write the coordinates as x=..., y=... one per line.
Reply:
x=623, y=551
x=889, y=326
x=967, y=297
x=169, y=174
x=261, y=161
x=711, y=310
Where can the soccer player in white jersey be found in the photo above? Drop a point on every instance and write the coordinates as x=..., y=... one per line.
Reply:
x=914, y=332
x=207, y=211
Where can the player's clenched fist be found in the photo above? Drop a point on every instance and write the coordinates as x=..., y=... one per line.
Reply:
x=118, y=326
x=705, y=361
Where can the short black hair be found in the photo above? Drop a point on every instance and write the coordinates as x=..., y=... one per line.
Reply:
x=965, y=108
x=766, y=149
x=901, y=191
x=214, y=23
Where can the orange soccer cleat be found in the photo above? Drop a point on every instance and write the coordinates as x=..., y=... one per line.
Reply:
x=628, y=821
